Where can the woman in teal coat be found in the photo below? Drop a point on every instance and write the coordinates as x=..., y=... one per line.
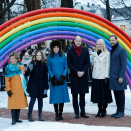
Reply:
x=57, y=68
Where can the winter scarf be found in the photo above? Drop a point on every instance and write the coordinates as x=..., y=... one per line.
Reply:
x=12, y=70
x=77, y=49
x=114, y=48
x=99, y=52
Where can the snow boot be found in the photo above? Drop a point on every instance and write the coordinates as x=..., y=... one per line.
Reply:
x=40, y=117
x=13, y=113
x=99, y=110
x=30, y=118
x=17, y=116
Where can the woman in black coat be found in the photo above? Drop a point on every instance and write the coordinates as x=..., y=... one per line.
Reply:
x=38, y=83
x=78, y=62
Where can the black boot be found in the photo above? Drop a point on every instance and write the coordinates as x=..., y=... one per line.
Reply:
x=57, y=116
x=76, y=116
x=60, y=116
x=30, y=118
x=40, y=117
x=103, y=114
x=61, y=105
x=17, y=116
x=56, y=111
x=13, y=113
x=99, y=111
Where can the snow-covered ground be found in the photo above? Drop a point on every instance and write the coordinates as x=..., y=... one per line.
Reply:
x=5, y=123
x=53, y=126
x=90, y=107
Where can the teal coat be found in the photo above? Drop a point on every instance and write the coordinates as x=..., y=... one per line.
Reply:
x=57, y=66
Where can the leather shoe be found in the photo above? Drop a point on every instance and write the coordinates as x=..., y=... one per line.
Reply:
x=120, y=114
x=84, y=115
x=113, y=115
x=76, y=116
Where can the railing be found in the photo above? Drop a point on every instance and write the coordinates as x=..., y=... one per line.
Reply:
x=2, y=78
x=2, y=81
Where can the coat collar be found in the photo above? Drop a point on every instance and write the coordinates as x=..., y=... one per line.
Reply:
x=101, y=54
x=115, y=51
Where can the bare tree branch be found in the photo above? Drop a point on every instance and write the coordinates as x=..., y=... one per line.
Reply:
x=20, y=4
x=2, y=1
x=9, y=5
x=114, y=9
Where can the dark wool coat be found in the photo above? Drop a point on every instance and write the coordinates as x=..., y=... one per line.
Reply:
x=118, y=64
x=38, y=80
x=75, y=63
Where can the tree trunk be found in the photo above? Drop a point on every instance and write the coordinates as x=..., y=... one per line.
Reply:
x=69, y=4
x=32, y=5
x=108, y=10
x=7, y=8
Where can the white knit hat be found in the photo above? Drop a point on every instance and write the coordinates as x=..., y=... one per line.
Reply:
x=26, y=53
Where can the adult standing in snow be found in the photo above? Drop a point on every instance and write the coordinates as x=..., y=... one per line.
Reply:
x=57, y=68
x=38, y=83
x=79, y=62
x=100, y=92
x=118, y=81
x=15, y=87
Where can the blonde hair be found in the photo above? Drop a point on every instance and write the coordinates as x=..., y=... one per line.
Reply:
x=102, y=42
x=16, y=55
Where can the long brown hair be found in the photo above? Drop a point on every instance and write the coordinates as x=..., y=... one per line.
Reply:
x=42, y=60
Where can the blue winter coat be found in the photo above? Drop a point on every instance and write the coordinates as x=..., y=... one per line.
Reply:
x=57, y=66
x=82, y=63
x=118, y=64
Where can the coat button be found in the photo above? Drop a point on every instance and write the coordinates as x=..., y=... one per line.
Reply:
x=95, y=68
x=99, y=61
x=99, y=68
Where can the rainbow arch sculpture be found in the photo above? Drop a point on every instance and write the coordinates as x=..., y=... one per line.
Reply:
x=59, y=23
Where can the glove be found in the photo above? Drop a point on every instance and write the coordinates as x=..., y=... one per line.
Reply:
x=45, y=92
x=62, y=78
x=9, y=93
x=54, y=81
x=106, y=81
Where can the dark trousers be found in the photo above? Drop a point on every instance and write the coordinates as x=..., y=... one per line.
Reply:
x=61, y=105
x=32, y=102
x=120, y=100
x=81, y=103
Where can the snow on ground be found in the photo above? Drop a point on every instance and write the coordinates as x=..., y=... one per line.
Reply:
x=53, y=126
x=90, y=107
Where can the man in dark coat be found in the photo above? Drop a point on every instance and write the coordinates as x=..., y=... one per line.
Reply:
x=78, y=61
x=118, y=84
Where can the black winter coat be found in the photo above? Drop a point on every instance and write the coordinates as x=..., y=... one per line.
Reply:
x=38, y=80
x=78, y=84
